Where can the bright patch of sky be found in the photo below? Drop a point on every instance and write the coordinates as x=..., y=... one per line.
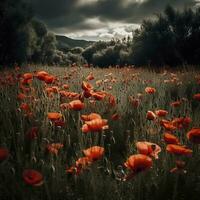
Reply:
x=101, y=19
x=106, y=31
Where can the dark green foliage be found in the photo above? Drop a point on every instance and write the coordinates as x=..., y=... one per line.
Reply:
x=172, y=39
x=42, y=47
x=102, y=179
x=14, y=17
x=104, y=54
x=26, y=39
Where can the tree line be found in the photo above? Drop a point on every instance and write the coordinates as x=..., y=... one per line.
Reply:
x=23, y=38
x=171, y=38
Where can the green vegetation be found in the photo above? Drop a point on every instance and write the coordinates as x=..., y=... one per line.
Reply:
x=103, y=178
x=65, y=43
x=171, y=38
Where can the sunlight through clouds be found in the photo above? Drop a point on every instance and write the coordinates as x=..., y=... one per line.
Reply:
x=82, y=2
x=106, y=31
x=101, y=19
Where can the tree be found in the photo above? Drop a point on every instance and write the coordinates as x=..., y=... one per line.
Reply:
x=36, y=32
x=172, y=39
x=14, y=17
x=48, y=48
x=104, y=54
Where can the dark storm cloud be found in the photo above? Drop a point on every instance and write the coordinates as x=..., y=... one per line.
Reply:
x=134, y=11
x=59, y=14
x=50, y=9
x=71, y=15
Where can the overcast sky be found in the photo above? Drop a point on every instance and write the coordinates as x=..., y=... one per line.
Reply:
x=100, y=19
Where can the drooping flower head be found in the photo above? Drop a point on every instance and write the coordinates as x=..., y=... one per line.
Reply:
x=194, y=135
x=32, y=177
x=148, y=148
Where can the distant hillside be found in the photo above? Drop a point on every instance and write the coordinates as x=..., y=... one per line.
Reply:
x=65, y=43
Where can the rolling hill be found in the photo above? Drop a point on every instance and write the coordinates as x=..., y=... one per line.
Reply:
x=64, y=43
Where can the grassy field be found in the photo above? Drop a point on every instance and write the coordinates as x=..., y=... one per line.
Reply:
x=39, y=151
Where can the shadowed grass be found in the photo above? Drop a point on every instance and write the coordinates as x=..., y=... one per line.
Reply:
x=102, y=179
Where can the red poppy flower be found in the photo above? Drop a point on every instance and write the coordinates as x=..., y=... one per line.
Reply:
x=25, y=89
x=98, y=95
x=115, y=117
x=161, y=113
x=55, y=89
x=41, y=75
x=170, y=139
x=49, y=79
x=186, y=122
x=178, y=150
x=97, y=124
x=148, y=148
x=66, y=94
x=90, y=77
x=94, y=153
x=86, y=86
x=76, y=105
x=87, y=93
x=168, y=125
x=85, y=128
x=175, y=104
x=150, y=90
x=181, y=122
x=21, y=96
x=32, y=177
x=73, y=170
x=194, y=135
x=27, y=76
x=197, y=97
x=49, y=91
x=65, y=86
x=112, y=100
x=59, y=122
x=25, y=107
x=4, y=153
x=83, y=162
x=90, y=117
x=138, y=163
x=53, y=116
x=26, y=81
x=54, y=148
x=150, y=115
